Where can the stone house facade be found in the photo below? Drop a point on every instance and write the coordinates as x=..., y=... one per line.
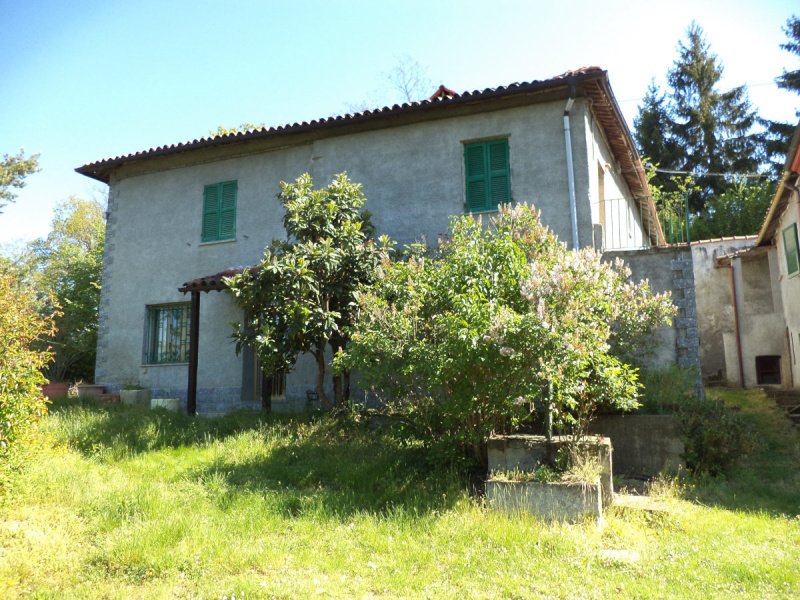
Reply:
x=179, y=213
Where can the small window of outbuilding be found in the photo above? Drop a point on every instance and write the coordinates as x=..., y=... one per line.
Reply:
x=768, y=370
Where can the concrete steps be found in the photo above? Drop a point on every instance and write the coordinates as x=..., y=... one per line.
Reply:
x=788, y=401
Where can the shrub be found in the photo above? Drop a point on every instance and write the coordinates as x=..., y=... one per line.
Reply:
x=714, y=436
x=21, y=399
x=666, y=389
x=499, y=323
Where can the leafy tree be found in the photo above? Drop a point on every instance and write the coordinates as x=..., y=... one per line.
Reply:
x=702, y=130
x=302, y=295
x=68, y=266
x=739, y=210
x=778, y=135
x=499, y=323
x=670, y=195
x=13, y=170
x=22, y=329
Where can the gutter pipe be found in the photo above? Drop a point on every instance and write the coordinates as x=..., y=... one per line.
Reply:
x=573, y=208
x=736, y=322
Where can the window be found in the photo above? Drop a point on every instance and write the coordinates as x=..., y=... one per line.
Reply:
x=790, y=248
x=219, y=212
x=166, y=338
x=488, y=175
x=768, y=370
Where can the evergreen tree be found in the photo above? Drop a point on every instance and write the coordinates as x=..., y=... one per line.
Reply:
x=653, y=132
x=778, y=135
x=704, y=130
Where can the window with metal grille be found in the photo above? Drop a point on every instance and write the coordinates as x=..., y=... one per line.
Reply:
x=219, y=212
x=166, y=338
x=488, y=175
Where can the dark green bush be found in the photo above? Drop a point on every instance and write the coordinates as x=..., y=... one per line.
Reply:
x=715, y=436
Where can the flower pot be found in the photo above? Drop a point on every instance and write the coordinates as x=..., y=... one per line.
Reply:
x=55, y=389
x=139, y=397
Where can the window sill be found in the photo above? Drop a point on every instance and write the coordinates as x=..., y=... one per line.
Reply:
x=179, y=364
x=216, y=242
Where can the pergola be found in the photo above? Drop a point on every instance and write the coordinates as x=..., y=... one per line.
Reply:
x=194, y=287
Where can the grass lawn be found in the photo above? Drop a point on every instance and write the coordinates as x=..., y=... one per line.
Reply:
x=126, y=503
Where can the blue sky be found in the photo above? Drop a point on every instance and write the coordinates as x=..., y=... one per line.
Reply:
x=86, y=79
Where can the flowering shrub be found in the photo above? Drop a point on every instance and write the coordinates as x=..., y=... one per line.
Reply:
x=499, y=323
x=21, y=399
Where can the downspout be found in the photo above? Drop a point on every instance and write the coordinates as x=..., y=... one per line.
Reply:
x=573, y=208
x=736, y=324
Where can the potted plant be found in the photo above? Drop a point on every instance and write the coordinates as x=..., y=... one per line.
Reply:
x=133, y=394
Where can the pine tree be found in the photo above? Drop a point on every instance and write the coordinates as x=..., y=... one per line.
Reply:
x=778, y=135
x=704, y=130
x=653, y=132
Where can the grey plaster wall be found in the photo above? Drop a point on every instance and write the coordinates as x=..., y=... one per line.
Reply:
x=715, y=305
x=668, y=269
x=412, y=176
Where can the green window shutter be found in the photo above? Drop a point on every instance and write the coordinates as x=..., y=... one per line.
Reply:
x=227, y=219
x=790, y=249
x=210, y=213
x=499, y=180
x=475, y=166
x=488, y=175
x=219, y=212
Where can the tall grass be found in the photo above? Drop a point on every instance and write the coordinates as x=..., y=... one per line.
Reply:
x=121, y=502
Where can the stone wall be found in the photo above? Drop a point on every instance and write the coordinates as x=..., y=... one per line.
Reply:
x=668, y=269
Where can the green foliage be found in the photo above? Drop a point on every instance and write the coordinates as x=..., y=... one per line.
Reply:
x=778, y=135
x=13, y=171
x=302, y=295
x=241, y=128
x=21, y=400
x=671, y=200
x=694, y=127
x=287, y=508
x=739, y=210
x=715, y=437
x=68, y=266
x=500, y=322
x=666, y=389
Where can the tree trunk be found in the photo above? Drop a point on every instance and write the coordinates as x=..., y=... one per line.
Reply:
x=346, y=386
x=337, y=389
x=323, y=399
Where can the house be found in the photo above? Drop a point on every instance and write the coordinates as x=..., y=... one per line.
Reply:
x=748, y=294
x=179, y=216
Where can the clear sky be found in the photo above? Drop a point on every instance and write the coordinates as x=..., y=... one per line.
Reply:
x=83, y=80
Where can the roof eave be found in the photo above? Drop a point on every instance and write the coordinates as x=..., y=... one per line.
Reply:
x=102, y=170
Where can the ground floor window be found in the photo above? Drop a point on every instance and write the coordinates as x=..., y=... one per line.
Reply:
x=166, y=338
x=768, y=370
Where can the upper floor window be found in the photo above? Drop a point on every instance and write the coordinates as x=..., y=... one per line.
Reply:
x=219, y=212
x=790, y=249
x=488, y=184
x=166, y=338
